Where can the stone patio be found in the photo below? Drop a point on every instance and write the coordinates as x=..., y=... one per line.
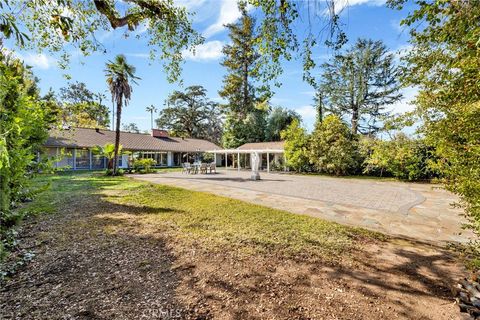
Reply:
x=413, y=210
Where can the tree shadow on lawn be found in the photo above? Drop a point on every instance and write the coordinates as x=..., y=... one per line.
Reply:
x=412, y=285
x=403, y=279
x=80, y=271
x=84, y=272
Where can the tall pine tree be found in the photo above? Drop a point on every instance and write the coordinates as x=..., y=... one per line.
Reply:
x=246, y=108
x=360, y=83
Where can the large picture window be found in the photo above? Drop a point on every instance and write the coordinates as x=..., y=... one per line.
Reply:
x=160, y=158
x=82, y=159
x=98, y=162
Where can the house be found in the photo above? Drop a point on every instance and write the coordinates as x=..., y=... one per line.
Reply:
x=77, y=143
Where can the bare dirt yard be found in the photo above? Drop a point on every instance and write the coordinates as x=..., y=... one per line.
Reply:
x=113, y=248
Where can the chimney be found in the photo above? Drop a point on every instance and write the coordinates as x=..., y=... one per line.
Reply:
x=157, y=133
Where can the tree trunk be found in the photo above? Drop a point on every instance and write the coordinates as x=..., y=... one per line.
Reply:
x=355, y=120
x=117, y=136
x=245, y=87
x=4, y=189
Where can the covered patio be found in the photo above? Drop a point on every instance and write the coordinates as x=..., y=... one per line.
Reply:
x=271, y=156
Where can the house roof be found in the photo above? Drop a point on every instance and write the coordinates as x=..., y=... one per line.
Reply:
x=88, y=138
x=273, y=145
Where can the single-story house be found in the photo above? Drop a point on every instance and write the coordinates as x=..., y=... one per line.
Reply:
x=77, y=145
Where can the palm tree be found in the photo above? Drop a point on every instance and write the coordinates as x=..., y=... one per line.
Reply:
x=151, y=109
x=119, y=75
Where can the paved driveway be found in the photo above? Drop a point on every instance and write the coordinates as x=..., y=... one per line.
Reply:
x=418, y=211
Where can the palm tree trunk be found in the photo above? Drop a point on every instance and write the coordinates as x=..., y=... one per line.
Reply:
x=117, y=136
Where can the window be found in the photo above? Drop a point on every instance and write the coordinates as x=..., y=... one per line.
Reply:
x=160, y=158
x=68, y=158
x=177, y=159
x=98, y=162
x=82, y=159
x=164, y=159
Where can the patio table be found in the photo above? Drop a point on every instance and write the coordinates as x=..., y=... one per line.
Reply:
x=196, y=167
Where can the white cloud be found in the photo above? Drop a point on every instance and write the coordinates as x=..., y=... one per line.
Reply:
x=210, y=50
x=138, y=55
x=229, y=13
x=405, y=104
x=401, y=51
x=218, y=99
x=309, y=93
x=340, y=5
x=395, y=24
x=307, y=112
x=404, y=49
x=40, y=61
x=189, y=4
x=142, y=28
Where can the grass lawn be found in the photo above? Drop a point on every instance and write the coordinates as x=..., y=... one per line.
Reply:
x=117, y=248
x=211, y=220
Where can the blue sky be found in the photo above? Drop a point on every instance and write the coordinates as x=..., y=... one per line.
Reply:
x=362, y=18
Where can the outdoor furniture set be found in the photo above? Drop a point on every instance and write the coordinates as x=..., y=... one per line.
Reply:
x=198, y=167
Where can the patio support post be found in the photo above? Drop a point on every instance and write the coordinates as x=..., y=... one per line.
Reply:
x=238, y=160
x=74, y=155
x=268, y=162
x=90, y=158
x=57, y=153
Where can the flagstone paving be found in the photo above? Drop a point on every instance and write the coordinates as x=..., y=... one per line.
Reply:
x=414, y=210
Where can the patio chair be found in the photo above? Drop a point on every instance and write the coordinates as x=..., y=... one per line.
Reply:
x=187, y=168
x=203, y=168
x=213, y=167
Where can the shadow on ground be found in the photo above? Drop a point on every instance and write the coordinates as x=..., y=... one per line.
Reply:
x=95, y=260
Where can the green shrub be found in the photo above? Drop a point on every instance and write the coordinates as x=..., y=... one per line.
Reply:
x=332, y=149
x=208, y=157
x=296, y=144
x=402, y=157
x=109, y=172
x=143, y=165
x=24, y=122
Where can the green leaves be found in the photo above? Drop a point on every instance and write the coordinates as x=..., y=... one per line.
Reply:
x=39, y=25
x=402, y=157
x=24, y=124
x=278, y=120
x=360, y=83
x=243, y=88
x=296, y=146
x=331, y=149
x=444, y=64
x=191, y=114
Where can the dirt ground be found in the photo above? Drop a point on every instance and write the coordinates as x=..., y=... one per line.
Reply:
x=95, y=261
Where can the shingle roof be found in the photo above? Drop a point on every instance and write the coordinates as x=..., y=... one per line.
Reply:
x=273, y=145
x=88, y=138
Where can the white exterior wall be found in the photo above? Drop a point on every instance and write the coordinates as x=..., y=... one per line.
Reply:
x=124, y=161
x=170, y=159
x=219, y=159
